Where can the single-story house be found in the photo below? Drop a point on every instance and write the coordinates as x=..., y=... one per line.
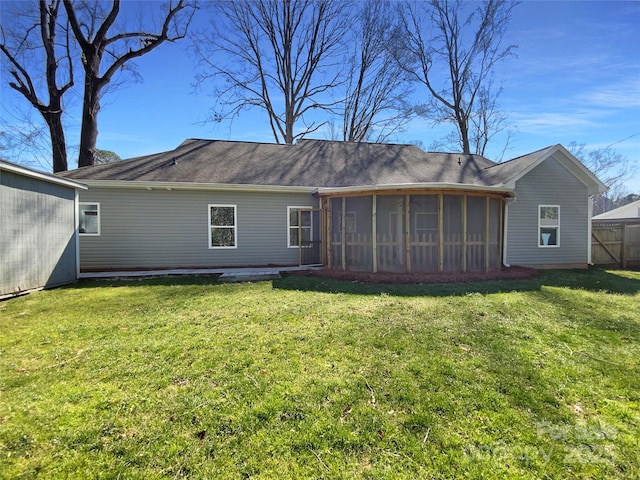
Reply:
x=353, y=206
x=39, y=244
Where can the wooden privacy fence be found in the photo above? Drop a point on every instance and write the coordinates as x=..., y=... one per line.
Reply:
x=616, y=244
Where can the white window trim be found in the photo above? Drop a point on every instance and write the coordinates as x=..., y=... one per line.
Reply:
x=430, y=215
x=289, y=226
x=99, y=215
x=235, y=226
x=351, y=227
x=557, y=227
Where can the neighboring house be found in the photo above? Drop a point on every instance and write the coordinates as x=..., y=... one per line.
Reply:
x=38, y=234
x=358, y=206
x=629, y=211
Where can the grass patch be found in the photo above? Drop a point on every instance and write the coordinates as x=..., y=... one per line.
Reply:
x=313, y=378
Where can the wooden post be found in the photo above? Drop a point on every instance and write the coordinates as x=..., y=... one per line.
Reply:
x=440, y=233
x=299, y=237
x=343, y=239
x=407, y=237
x=501, y=232
x=487, y=210
x=625, y=242
x=463, y=239
x=374, y=232
x=327, y=231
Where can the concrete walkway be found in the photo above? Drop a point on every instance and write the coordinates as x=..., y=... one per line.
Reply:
x=249, y=274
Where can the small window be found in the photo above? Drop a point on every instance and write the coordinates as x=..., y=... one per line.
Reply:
x=222, y=226
x=548, y=226
x=296, y=227
x=89, y=219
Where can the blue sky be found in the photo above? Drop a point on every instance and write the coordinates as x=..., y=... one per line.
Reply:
x=576, y=78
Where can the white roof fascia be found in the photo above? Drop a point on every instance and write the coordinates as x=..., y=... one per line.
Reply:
x=408, y=186
x=28, y=172
x=148, y=185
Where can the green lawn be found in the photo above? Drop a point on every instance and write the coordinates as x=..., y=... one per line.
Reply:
x=312, y=378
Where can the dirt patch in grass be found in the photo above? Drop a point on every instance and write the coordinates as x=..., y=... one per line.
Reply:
x=511, y=273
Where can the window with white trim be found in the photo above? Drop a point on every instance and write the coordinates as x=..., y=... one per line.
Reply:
x=425, y=223
x=548, y=226
x=349, y=222
x=299, y=225
x=89, y=219
x=223, y=226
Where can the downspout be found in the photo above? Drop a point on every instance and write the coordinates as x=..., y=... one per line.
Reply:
x=589, y=228
x=508, y=201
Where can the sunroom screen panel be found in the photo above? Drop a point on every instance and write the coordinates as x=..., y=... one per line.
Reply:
x=423, y=215
x=358, y=224
x=476, y=226
x=452, y=233
x=390, y=221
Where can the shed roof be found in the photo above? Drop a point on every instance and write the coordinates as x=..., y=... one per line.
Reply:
x=46, y=177
x=630, y=210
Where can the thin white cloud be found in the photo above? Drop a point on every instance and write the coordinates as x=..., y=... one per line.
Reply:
x=552, y=120
x=622, y=94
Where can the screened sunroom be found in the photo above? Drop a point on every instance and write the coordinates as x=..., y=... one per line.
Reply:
x=421, y=231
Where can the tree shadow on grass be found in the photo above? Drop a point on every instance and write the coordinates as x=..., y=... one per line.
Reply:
x=594, y=280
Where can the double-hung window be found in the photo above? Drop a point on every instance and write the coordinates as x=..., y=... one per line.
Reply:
x=548, y=226
x=223, y=226
x=299, y=225
x=89, y=219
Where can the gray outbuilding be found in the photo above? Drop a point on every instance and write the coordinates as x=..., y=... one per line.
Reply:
x=39, y=245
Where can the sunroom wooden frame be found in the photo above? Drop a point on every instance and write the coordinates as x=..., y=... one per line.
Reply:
x=491, y=262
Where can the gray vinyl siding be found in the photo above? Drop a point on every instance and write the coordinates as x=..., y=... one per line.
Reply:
x=169, y=229
x=37, y=228
x=548, y=184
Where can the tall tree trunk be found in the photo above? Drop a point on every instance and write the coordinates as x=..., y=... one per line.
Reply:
x=89, y=130
x=58, y=144
x=119, y=47
x=463, y=125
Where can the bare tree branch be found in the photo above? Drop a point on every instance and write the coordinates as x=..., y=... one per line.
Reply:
x=15, y=45
x=455, y=63
x=374, y=107
x=611, y=167
x=91, y=28
x=278, y=58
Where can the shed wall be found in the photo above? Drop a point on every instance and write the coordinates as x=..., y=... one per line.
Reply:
x=169, y=229
x=37, y=243
x=549, y=183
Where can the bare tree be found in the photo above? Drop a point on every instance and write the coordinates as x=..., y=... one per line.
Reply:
x=22, y=43
x=107, y=47
x=374, y=105
x=456, y=61
x=278, y=56
x=611, y=167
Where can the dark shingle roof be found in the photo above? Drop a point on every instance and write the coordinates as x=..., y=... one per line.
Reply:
x=500, y=173
x=309, y=163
